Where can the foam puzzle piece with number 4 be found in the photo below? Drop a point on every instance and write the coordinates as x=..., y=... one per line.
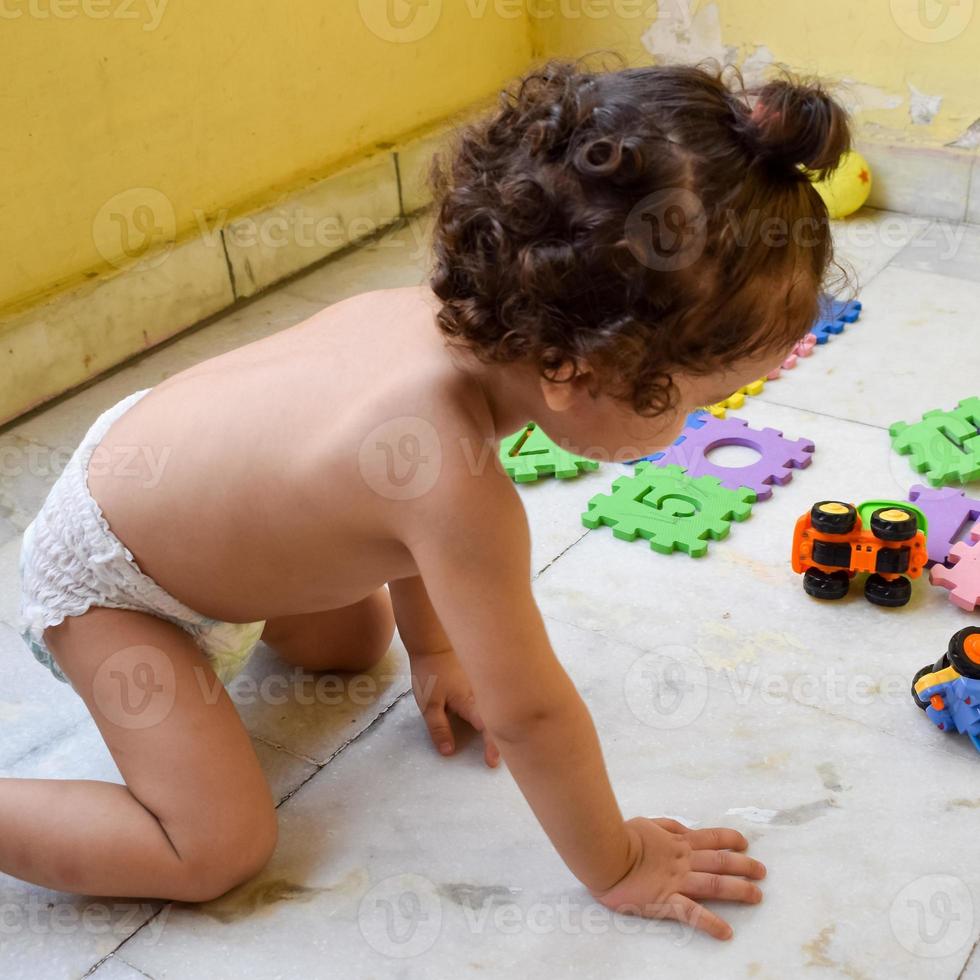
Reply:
x=671, y=510
x=529, y=454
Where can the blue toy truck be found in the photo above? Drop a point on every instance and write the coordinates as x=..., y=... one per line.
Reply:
x=949, y=690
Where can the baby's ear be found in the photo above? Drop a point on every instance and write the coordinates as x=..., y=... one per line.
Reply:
x=568, y=385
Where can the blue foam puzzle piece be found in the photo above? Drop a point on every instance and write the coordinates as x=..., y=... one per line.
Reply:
x=823, y=329
x=847, y=310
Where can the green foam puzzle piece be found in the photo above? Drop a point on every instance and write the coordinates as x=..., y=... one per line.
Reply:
x=943, y=445
x=673, y=511
x=529, y=454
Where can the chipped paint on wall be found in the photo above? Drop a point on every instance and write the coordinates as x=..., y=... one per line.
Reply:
x=868, y=50
x=923, y=108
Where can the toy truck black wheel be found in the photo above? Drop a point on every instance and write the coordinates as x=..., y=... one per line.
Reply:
x=928, y=669
x=822, y=585
x=894, y=524
x=833, y=517
x=964, y=652
x=884, y=592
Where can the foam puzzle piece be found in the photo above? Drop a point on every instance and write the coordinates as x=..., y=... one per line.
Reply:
x=736, y=399
x=963, y=579
x=834, y=316
x=778, y=456
x=947, y=510
x=803, y=348
x=671, y=510
x=529, y=454
x=944, y=445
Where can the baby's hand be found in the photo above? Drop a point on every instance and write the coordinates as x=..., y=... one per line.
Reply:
x=675, y=868
x=440, y=685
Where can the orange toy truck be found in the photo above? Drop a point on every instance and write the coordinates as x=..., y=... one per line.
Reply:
x=835, y=541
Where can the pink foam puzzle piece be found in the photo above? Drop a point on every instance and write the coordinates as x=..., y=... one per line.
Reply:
x=963, y=579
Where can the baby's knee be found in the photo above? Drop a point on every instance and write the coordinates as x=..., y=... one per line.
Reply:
x=224, y=861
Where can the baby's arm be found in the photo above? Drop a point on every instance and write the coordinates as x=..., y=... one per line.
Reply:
x=476, y=567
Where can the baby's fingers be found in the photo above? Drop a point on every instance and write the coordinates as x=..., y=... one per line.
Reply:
x=716, y=839
x=725, y=888
x=727, y=863
x=440, y=730
x=697, y=916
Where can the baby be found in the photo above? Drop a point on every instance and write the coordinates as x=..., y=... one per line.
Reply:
x=612, y=250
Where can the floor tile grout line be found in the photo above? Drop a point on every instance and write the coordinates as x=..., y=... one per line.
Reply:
x=276, y=746
x=560, y=554
x=320, y=766
x=122, y=942
x=969, y=957
x=60, y=734
x=814, y=411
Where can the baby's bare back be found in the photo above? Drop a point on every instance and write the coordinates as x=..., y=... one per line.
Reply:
x=270, y=480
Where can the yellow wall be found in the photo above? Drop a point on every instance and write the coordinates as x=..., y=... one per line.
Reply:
x=215, y=104
x=877, y=48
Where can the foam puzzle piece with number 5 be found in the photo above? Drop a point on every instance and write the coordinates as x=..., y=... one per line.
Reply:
x=778, y=456
x=671, y=510
x=529, y=454
x=944, y=445
x=963, y=579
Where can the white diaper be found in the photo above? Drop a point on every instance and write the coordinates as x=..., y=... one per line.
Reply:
x=70, y=560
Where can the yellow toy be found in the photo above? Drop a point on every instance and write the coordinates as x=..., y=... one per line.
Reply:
x=848, y=187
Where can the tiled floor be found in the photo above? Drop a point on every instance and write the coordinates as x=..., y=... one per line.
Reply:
x=790, y=720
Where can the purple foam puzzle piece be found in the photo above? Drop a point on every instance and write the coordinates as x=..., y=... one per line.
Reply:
x=947, y=510
x=778, y=456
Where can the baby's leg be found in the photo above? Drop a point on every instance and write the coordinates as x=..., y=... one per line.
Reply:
x=351, y=638
x=195, y=817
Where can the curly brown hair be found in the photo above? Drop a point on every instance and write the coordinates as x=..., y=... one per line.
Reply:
x=645, y=220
